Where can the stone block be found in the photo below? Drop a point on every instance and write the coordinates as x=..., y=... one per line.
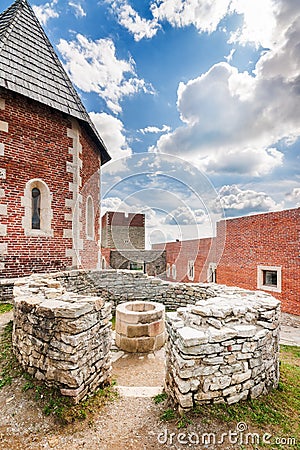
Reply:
x=221, y=335
x=145, y=345
x=245, y=330
x=137, y=331
x=156, y=328
x=237, y=398
x=238, y=378
x=190, y=337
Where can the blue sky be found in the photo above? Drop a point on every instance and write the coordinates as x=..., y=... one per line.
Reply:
x=213, y=84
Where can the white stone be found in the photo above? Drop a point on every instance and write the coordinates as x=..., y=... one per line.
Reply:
x=245, y=330
x=221, y=335
x=238, y=378
x=191, y=337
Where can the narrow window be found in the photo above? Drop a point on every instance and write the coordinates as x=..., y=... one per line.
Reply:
x=174, y=274
x=168, y=270
x=90, y=218
x=36, y=209
x=191, y=270
x=212, y=273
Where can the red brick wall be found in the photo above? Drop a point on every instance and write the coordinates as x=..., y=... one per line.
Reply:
x=270, y=239
x=36, y=146
x=180, y=252
x=90, y=186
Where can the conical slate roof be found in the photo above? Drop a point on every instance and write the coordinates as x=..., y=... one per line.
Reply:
x=30, y=66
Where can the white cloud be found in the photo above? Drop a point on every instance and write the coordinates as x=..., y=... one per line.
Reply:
x=131, y=20
x=79, y=11
x=236, y=201
x=205, y=15
x=183, y=215
x=111, y=78
x=152, y=129
x=230, y=55
x=294, y=196
x=259, y=22
x=233, y=121
x=46, y=11
x=111, y=130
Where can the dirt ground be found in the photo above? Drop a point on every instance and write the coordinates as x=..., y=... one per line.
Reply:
x=127, y=423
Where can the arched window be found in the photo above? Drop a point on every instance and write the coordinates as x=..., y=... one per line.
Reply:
x=38, y=213
x=90, y=218
x=36, y=209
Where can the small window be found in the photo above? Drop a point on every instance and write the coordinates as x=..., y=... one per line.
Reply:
x=168, y=270
x=191, y=270
x=36, y=209
x=174, y=274
x=136, y=266
x=269, y=278
x=38, y=213
x=90, y=218
x=212, y=273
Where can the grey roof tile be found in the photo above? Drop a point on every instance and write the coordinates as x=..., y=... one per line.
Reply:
x=30, y=66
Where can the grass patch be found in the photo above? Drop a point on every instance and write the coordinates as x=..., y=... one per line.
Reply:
x=278, y=412
x=49, y=400
x=5, y=307
x=9, y=366
x=53, y=403
x=159, y=398
x=113, y=322
x=168, y=414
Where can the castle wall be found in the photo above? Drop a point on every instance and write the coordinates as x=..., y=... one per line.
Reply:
x=41, y=147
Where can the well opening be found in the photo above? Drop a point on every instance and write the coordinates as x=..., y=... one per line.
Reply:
x=140, y=306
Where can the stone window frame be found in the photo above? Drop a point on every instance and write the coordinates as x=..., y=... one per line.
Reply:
x=260, y=278
x=90, y=219
x=168, y=270
x=46, y=212
x=174, y=271
x=212, y=273
x=191, y=270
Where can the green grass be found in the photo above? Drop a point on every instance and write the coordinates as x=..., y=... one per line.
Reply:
x=168, y=414
x=9, y=366
x=113, y=322
x=159, y=398
x=5, y=307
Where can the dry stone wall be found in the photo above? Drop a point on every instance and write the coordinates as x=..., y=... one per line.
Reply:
x=223, y=349
x=60, y=337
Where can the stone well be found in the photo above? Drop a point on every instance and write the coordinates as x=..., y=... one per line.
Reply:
x=140, y=326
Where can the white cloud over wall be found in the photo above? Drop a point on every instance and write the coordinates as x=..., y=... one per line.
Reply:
x=294, y=196
x=237, y=201
x=111, y=130
x=111, y=78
